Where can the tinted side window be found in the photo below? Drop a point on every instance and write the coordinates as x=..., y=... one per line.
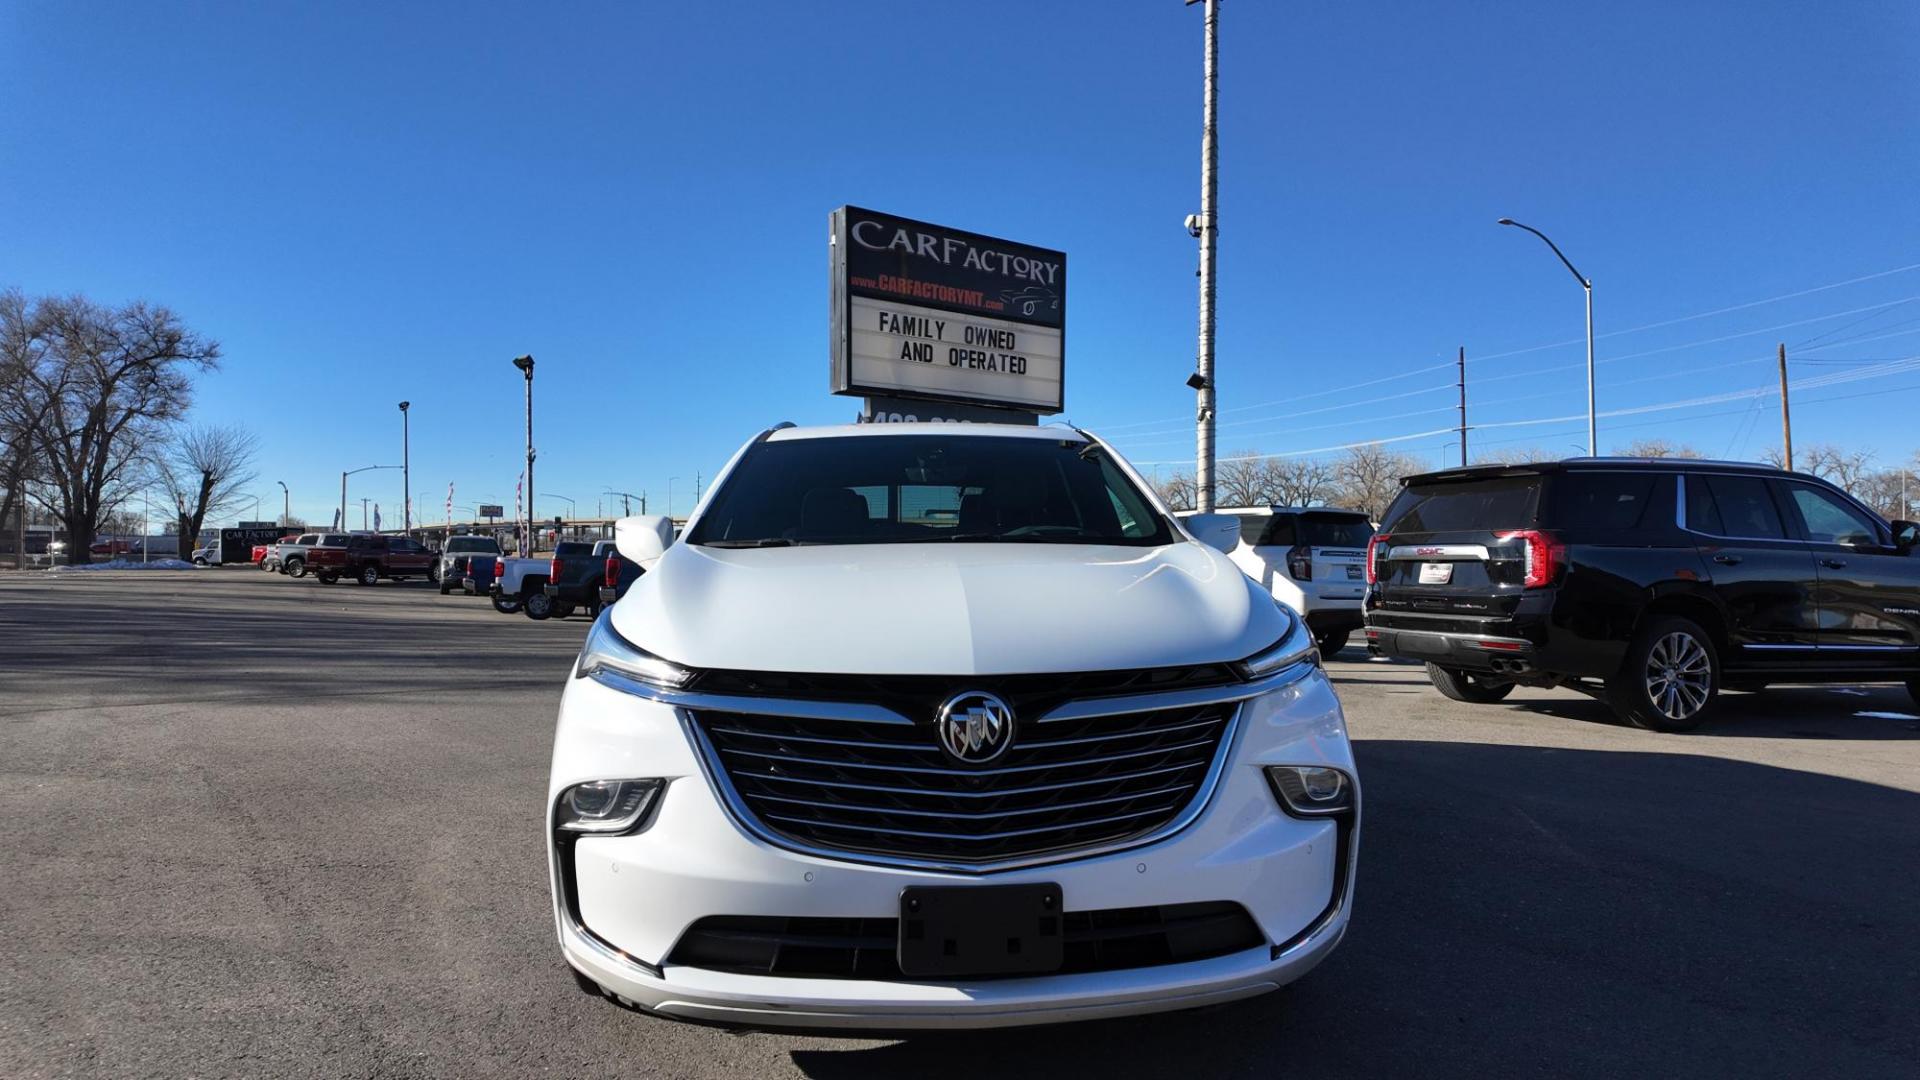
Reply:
x=1702, y=514
x=1746, y=510
x=1596, y=502
x=1830, y=519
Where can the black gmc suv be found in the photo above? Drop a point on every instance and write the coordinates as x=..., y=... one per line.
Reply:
x=1652, y=583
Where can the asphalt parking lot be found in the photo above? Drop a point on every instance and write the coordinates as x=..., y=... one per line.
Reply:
x=264, y=827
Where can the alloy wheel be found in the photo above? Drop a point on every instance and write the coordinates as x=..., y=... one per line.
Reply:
x=1679, y=676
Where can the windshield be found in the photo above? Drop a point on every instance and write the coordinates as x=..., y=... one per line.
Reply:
x=896, y=489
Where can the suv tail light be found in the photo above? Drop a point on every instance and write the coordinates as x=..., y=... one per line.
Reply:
x=1300, y=562
x=1374, y=545
x=612, y=579
x=1545, y=554
x=553, y=570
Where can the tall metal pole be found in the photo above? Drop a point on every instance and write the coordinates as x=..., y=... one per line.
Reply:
x=1209, y=229
x=525, y=364
x=1593, y=440
x=406, y=476
x=343, y=502
x=1786, y=418
x=1463, y=406
x=286, y=503
x=1593, y=430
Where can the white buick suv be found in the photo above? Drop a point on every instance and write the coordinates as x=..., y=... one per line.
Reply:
x=939, y=725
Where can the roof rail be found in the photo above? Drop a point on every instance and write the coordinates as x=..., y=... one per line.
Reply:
x=1674, y=460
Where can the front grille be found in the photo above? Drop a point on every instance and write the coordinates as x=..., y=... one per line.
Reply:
x=825, y=948
x=887, y=789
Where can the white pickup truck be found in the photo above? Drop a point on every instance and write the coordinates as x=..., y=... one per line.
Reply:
x=521, y=583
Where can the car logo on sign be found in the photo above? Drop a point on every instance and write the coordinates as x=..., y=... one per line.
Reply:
x=975, y=727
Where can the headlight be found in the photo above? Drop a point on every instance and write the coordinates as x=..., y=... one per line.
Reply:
x=604, y=806
x=606, y=652
x=1294, y=646
x=1311, y=790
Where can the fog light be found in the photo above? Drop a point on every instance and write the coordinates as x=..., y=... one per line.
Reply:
x=604, y=806
x=1311, y=791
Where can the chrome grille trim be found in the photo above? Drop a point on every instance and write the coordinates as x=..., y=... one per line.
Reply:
x=1121, y=779
x=993, y=814
x=924, y=771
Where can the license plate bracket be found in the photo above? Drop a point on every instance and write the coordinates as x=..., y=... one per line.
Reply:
x=1436, y=573
x=956, y=931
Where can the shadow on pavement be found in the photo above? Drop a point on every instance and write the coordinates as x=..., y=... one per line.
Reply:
x=1866, y=713
x=1554, y=912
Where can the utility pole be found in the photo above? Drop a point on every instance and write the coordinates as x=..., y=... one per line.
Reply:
x=696, y=489
x=1786, y=418
x=406, y=476
x=525, y=364
x=1206, y=229
x=286, y=504
x=363, y=513
x=1463, y=406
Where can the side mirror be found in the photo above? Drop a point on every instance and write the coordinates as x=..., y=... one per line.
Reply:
x=643, y=539
x=1218, y=531
x=1906, y=535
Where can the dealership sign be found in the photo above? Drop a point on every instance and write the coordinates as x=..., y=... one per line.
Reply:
x=931, y=313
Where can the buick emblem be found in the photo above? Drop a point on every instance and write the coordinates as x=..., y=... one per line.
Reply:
x=975, y=727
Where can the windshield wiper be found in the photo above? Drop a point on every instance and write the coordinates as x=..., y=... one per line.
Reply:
x=762, y=542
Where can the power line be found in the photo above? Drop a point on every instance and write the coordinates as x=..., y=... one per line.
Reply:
x=1711, y=314
x=1345, y=388
x=1894, y=367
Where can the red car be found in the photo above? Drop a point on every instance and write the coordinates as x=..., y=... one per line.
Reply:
x=113, y=547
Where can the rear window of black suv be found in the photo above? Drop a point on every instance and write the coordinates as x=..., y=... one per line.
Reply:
x=1465, y=505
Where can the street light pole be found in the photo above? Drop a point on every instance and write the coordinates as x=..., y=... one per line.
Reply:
x=343, y=488
x=1206, y=230
x=525, y=364
x=286, y=504
x=1593, y=438
x=406, y=476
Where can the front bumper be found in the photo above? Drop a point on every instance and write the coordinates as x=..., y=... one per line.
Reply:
x=625, y=901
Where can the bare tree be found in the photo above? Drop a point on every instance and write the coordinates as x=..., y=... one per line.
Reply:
x=1847, y=468
x=113, y=378
x=1299, y=481
x=1177, y=492
x=1882, y=491
x=1241, y=480
x=203, y=470
x=1522, y=455
x=1369, y=477
x=1657, y=448
x=23, y=409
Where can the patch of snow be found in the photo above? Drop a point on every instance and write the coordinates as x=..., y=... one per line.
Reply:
x=123, y=564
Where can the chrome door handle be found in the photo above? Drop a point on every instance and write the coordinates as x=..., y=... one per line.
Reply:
x=1833, y=564
x=1727, y=560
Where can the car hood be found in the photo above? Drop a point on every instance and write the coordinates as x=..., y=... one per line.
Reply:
x=947, y=609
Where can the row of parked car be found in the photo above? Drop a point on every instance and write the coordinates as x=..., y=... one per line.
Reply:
x=579, y=576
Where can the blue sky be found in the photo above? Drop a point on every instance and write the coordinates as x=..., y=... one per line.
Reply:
x=371, y=202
